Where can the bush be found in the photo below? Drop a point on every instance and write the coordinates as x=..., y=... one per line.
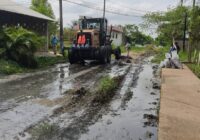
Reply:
x=9, y=67
x=19, y=45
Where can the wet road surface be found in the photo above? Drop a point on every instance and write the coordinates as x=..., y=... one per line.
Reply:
x=125, y=119
x=18, y=98
x=127, y=116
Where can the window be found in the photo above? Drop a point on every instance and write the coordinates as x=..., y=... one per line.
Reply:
x=116, y=35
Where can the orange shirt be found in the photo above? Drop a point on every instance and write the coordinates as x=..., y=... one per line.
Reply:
x=81, y=39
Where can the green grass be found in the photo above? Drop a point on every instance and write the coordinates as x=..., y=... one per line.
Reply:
x=67, y=43
x=44, y=131
x=107, y=84
x=106, y=89
x=160, y=55
x=49, y=61
x=138, y=49
x=195, y=68
x=10, y=67
x=183, y=56
x=123, y=49
x=134, y=49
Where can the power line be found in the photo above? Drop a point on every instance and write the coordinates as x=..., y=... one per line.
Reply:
x=113, y=5
x=138, y=10
x=91, y=5
x=100, y=9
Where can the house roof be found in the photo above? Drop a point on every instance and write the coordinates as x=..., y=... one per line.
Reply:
x=10, y=6
x=116, y=29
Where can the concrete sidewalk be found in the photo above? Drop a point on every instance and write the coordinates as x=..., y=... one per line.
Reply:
x=179, y=117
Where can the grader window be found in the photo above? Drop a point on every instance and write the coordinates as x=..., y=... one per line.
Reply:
x=87, y=37
x=93, y=26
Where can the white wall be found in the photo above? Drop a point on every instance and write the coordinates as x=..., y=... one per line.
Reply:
x=117, y=38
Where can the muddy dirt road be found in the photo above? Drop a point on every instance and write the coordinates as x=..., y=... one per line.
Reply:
x=32, y=103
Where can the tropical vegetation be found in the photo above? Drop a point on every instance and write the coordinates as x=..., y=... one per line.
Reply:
x=44, y=7
x=19, y=45
x=17, y=51
x=134, y=36
x=173, y=25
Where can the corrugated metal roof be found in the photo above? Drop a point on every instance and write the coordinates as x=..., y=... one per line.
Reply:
x=10, y=6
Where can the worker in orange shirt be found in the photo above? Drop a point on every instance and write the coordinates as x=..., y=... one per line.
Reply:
x=81, y=40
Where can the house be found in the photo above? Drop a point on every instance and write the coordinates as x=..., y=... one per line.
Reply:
x=13, y=14
x=117, y=35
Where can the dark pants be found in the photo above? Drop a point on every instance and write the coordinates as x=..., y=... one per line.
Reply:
x=54, y=48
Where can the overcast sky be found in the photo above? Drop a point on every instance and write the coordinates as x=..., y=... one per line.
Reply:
x=132, y=7
x=72, y=11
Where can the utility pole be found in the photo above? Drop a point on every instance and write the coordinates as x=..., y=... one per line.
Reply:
x=181, y=2
x=185, y=29
x=194, y=3
x=61, y=28
x=104, y=9
x=104, y=20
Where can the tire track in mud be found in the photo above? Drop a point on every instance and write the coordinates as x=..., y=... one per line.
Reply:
x=79, y=125
x=76, y=122
x=39, y=85
x=126, y=93
x=16, y=113
x=129, y=116
x=75, y=117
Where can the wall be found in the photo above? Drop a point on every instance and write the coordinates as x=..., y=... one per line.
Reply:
x=117, y=38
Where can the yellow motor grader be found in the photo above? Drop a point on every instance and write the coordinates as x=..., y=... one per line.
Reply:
x=93, y=42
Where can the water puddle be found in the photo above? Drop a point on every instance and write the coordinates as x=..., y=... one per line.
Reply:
x=15, y=120
x=131, y=121
x=27, y=100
